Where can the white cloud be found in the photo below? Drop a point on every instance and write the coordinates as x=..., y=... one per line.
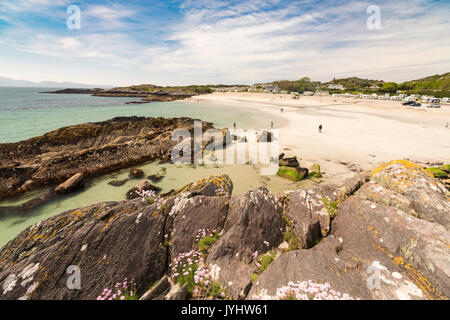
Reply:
x=251, y=41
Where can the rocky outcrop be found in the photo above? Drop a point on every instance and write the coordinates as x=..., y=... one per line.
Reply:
x=89, y=149
x=389, y=240
x=105, y=242
x=386, y=238
x=76, y=91
x=152, y=93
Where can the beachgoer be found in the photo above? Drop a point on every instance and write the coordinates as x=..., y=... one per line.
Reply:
x=271, y=124
x=446, y=125
x=282, y=110
x=234, y=125
x=320, y=128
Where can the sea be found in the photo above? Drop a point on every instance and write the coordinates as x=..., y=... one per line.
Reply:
x=26, y=112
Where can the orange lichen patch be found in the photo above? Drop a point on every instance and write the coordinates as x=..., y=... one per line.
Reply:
x=423, y=283
x=405, y=163
x=398, y=261
x=385, y=250
x=110, y=220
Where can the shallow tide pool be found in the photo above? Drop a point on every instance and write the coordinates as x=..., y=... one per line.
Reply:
x=245, y=178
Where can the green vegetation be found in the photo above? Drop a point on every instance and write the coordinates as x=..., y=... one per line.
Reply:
x=438, y=173
x=445, y=167
x=215, y=290
x=206, y=242
x=290, y=173
x=265, y=261
x=437, y=85
x=332, y=207
x=300, y=86
x=355, y=84
x=314, y=171
x=289, y=236
x=262, y=262
x=389, y=87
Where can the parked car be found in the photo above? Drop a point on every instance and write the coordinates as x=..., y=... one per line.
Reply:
x=415, y=104
x=408, y=103
x=434, y=103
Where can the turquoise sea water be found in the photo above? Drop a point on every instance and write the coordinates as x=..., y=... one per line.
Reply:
x=26, y=113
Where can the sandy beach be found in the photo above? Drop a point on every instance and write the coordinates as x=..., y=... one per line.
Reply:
x=357, y=134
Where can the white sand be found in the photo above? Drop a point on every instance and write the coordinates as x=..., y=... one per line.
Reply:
x=360, y=132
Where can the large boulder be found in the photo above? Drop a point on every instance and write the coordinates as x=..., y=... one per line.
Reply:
x=310, y=212
x=254, y=224
x=106, y=242
x=192, y=217
x=188, y=214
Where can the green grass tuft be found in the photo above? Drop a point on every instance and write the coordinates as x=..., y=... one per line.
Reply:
x=438, y=173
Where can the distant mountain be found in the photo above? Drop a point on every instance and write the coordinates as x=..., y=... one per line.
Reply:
x=8, y=82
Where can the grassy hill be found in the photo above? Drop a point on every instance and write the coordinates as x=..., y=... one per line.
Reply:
x=437, y=85
x=302, y=85
x=355, y=84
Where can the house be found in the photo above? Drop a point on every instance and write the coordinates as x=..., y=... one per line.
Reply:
x=374, y=87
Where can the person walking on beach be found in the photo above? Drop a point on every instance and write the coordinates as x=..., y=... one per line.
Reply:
x=446, y=125
x=234, y=126
x=320, y=128
x=271, y=124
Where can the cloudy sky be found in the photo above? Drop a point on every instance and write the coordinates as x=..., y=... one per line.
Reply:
x=176, y=42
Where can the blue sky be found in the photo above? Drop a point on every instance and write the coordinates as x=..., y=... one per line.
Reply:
x=176, y=42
